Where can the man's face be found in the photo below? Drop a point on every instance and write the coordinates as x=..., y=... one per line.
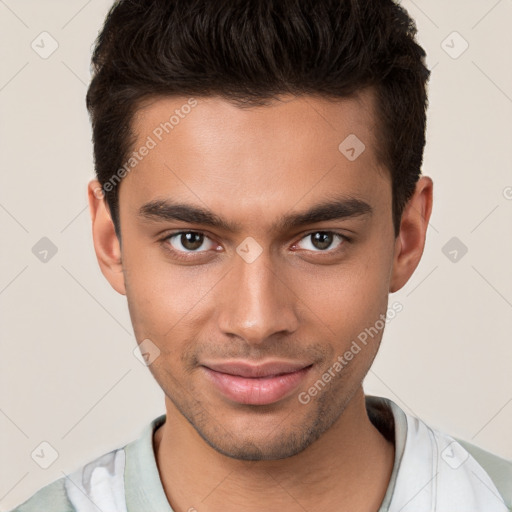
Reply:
x=231, y=308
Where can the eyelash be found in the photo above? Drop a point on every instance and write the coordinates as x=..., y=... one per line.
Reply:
x=190, y=255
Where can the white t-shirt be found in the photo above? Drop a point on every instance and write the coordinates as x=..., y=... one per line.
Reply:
x=432, y=472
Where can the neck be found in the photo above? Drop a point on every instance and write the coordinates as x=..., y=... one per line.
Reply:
x=348, y=468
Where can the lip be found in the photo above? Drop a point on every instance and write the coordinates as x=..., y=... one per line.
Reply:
x=256, y=384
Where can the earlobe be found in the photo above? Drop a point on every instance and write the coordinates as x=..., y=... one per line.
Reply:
x=410, y=242
x=106, y=243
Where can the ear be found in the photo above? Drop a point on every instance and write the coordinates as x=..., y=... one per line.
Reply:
x=410, y=242
x=106, y=243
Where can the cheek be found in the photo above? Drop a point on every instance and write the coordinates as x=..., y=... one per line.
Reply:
x=347, y=297
x=163, y=297
x=351, y=305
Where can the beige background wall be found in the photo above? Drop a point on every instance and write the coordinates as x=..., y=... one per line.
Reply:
x=67, y=372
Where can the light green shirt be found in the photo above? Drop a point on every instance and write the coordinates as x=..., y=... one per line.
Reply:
x=431, y=472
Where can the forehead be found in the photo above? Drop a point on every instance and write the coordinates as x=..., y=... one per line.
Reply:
x=289, y=119
x=208, y=151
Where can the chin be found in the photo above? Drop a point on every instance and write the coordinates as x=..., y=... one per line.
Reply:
x=251, y=450
x=274, y=443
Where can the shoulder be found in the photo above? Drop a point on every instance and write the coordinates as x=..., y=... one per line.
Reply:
x=51, y=497
x=458, y=475
x=498, y=469
x=472, y=473
x=100, y=482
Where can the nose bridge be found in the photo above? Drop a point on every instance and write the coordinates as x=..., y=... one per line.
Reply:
x=255, y=303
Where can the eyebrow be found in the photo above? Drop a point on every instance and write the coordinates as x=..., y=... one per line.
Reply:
x=339, y=208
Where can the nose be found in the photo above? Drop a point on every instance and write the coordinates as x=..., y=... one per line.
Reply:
x=256, y=302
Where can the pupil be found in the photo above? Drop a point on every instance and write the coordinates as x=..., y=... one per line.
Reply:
x=322, y=240
x=191, y=241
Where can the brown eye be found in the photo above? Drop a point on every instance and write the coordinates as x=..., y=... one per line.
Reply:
x=188, y=241
x=321, y=241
